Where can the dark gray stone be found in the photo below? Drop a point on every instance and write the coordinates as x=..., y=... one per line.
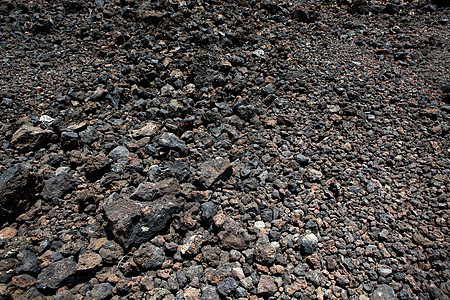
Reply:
x=88, y=136
x=209, y=210
x=308, y=244
x=149, y=257
x=180, y=170
x=56, y=274
x=171, y=141
x=33, y=294
x=7, y=267
x=119, y=152
x=58, y=186
x=102, y=291
x=110, y=252
x=29, y=263
x=302, y=160
x=227, y=286
x=312, y=226
x=18, y=187
x=209, y=293
x=241, y=292
x=134, y=222
x=99, y=94
x=69, y=140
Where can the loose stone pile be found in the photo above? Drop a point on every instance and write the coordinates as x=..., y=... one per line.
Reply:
x=211, y=150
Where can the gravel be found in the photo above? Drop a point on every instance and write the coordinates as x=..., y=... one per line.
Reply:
x=209, y=150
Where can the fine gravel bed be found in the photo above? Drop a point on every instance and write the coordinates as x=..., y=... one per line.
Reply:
x=210, y=150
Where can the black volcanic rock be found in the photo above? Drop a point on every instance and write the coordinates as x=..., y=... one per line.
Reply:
x=18, y=189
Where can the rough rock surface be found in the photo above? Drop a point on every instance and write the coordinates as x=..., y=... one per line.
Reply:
x=56, y=274
x=18, y=188
x=224, y=149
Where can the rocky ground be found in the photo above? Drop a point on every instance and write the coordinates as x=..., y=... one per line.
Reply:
x=211, y=150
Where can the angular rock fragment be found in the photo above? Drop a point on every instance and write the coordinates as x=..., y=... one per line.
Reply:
x=192, y=293
x=266, y=286
x=171, y=141
x=233, y=236
x=192, y=244
x=148, y=130
x=148, y=191
x=96, y=166
x=7, y=269
x=55, y=188
x=119, y=152
x=134, y=222
x=308, y=243
x=180, y=170
x=264, y=250
x=209, y=293
x=149, y=257
x=109, y=251
x=227, y=286
x=33, y=294
x=88, y=261
x=305, y=16
x=102, y=291
x=211, y=171
x=23, y=281
x=99, y=94
x=69, y=140
x=383, y=292
x=56, y=274
x=29, y=263
x=28, y=138
x=18, y=188
x=88, y=136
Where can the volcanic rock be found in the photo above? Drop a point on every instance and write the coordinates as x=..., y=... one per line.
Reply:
x=149, y=257
x=211, y=171
x=28, y=138
x=56, y=187
x=56, y=274
x=134, y=222
x=18, y=188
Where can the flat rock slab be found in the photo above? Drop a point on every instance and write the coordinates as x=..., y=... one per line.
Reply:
x=133, y=222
